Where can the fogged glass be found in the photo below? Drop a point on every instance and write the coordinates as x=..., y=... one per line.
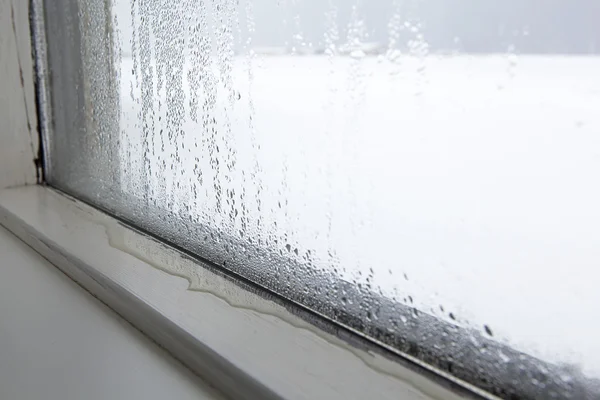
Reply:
x=381, y=162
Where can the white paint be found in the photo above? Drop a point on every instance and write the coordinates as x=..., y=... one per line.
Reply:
x=18, y=123
x=262, y=339
x=58, y=342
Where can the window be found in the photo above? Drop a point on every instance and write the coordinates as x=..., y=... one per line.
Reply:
x=419, y=171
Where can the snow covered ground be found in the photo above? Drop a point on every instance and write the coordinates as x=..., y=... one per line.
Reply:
x=470, y=182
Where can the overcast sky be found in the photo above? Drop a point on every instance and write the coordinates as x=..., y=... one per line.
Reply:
x=471, y=26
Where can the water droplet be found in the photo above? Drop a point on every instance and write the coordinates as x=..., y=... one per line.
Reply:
x=487, y=330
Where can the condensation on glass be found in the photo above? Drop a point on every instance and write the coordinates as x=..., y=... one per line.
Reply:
x=425, y=172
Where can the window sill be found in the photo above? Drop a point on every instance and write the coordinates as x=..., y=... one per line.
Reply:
x=237, y=338
x=58, y=342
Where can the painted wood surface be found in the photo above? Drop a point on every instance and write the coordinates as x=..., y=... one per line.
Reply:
x=18, y=122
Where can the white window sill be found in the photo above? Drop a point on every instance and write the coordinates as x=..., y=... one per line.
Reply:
x=58, y=342
x=237, y=339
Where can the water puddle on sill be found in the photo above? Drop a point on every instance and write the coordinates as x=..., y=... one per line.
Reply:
x=170, y=261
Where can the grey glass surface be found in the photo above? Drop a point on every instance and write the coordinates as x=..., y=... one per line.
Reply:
x=420, y=171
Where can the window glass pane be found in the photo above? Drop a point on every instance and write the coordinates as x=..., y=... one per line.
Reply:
x=424, y=171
